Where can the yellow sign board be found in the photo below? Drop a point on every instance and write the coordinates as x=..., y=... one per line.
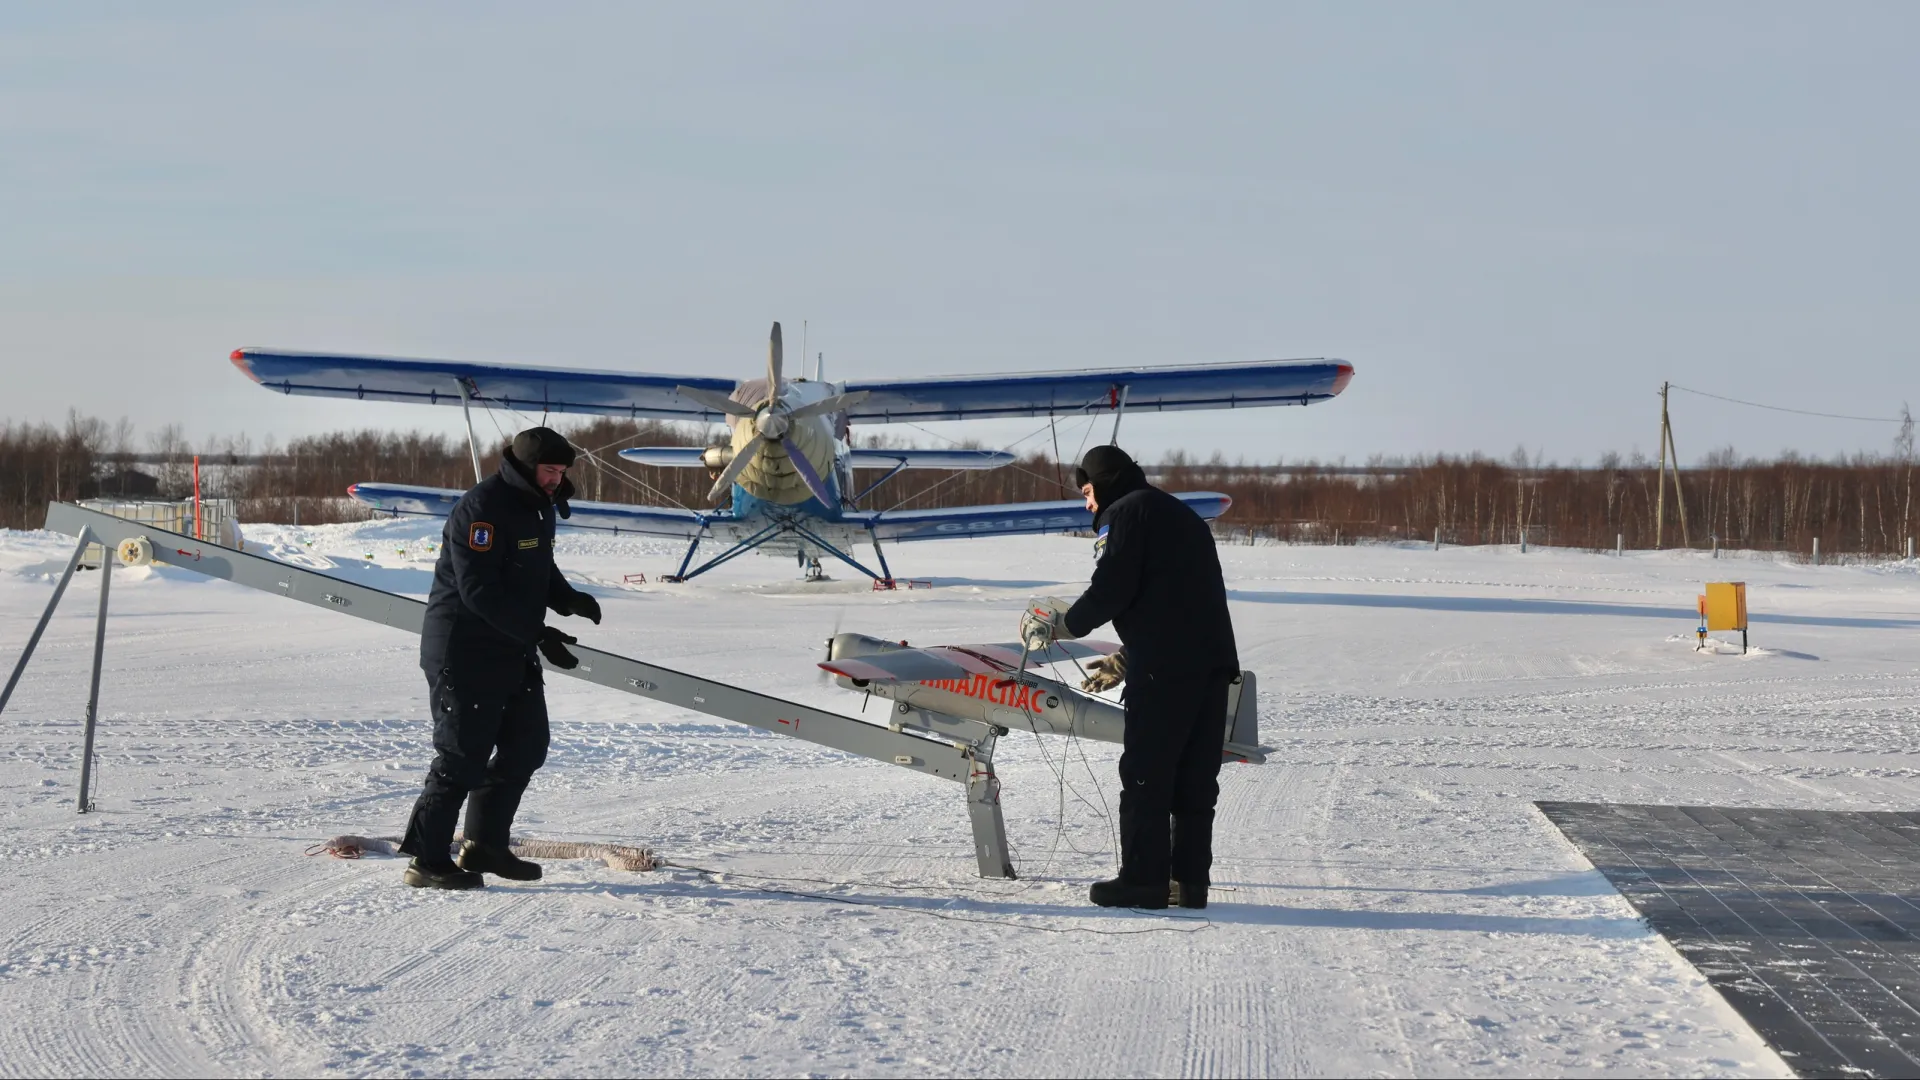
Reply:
x=1726, y=605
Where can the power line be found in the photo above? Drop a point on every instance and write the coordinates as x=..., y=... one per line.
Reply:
x=1784, y=409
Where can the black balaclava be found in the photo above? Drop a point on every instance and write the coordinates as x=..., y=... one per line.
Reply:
x=1112, y=474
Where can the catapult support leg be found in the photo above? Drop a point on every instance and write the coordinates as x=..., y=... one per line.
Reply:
x=983, y=808
x=86, y=537
x=93, y=696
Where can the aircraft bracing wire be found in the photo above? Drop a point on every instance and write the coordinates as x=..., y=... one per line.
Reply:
x=1016, y=466
x=594, y=457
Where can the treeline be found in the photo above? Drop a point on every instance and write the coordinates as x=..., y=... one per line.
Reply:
x=1860, y=505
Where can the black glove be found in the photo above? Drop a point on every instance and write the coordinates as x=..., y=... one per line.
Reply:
x=585, y=604
x=553, y=645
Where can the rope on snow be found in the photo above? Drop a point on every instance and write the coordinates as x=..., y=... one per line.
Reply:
x=615, y=856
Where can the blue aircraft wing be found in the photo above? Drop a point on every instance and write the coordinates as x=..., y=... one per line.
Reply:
x=687, y=457
x=873, y=458
x=1151, y=389
x=675, y=457
x=1009, y=519
x=439, y=382
x=618, y=518
x=645, y=396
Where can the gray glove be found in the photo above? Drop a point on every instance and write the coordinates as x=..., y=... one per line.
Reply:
x=1105, y=673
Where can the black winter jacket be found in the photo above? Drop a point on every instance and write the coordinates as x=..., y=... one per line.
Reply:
x=495, y=578
x=1158, y=581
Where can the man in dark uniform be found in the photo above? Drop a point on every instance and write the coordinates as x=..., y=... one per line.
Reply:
x=486, y=615
x=1157, y=579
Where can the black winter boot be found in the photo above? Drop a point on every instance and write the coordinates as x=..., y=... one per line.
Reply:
x=497, y=861
x=1187, y=895
x=443, y=874
x=1117, y=893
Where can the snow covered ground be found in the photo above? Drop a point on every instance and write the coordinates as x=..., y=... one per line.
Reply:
x=1390, y=903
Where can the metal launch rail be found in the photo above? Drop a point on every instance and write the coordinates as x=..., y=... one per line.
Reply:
x=967, y=760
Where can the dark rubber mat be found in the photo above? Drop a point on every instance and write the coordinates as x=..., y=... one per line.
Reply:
x=1807, y=921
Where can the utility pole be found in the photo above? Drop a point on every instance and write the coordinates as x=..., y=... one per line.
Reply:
x=1679, y=496
x=1660, y=503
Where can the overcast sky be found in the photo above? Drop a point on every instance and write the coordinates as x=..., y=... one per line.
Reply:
x=1515, y=220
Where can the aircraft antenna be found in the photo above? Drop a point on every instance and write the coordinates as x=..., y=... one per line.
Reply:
x=803, y=348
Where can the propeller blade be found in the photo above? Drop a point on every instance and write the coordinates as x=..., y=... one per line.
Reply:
x=805, y=468
x=834, y=404
x=739, y=463
x=825, y=676
x=715, y=400
x=773, y=364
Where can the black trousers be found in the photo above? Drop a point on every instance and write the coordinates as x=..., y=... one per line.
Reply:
x=1170, y=769
x=489, y=739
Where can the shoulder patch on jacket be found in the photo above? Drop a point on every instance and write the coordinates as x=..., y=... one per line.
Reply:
x=1100, y=544
x=480, y=536
x=529, y=544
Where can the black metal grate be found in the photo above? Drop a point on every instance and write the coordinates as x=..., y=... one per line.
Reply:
x=1806, y=921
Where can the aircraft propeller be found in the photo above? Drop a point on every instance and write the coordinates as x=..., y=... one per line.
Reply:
x=825, y=677
x=772, y=423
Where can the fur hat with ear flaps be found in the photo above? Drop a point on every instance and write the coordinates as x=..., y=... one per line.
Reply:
x=539, y=446
x=542, y=446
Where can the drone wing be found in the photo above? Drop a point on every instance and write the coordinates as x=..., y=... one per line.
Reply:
x=958, y=661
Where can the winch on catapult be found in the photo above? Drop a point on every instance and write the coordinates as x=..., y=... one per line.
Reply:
x=948, y=704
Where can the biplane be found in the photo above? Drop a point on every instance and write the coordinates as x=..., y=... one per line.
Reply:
x=784, y=482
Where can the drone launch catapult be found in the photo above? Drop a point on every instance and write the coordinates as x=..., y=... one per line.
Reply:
x=950, y=703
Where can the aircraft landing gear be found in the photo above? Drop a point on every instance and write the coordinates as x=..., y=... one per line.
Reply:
x=814, y=571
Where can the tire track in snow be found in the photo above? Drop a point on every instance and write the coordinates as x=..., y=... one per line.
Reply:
x=126, y=1017
x=234, y=1009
